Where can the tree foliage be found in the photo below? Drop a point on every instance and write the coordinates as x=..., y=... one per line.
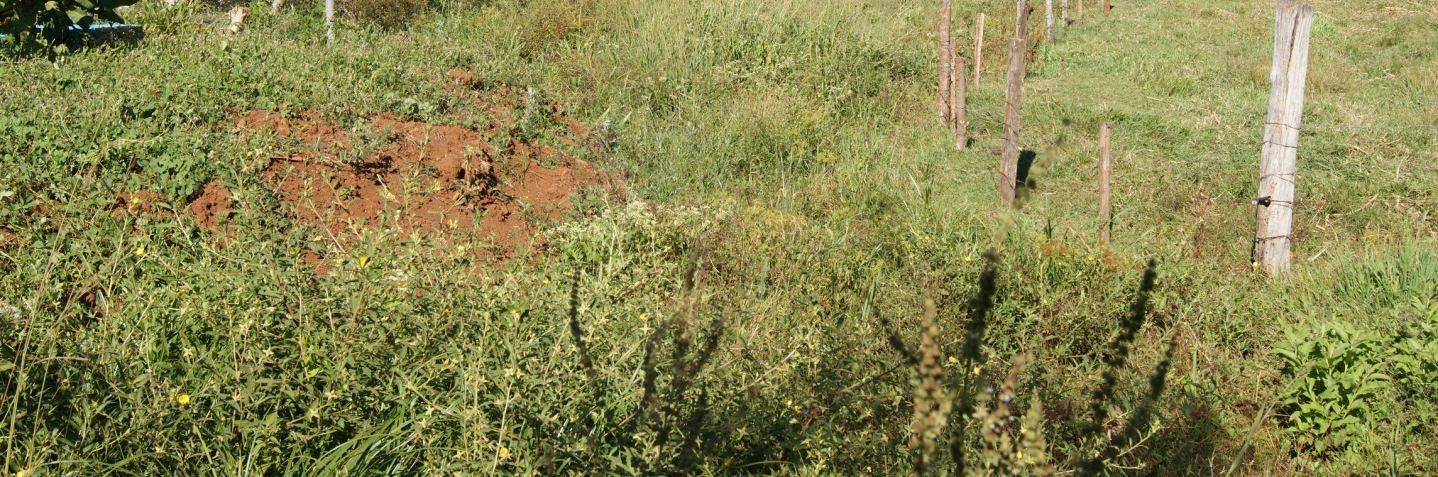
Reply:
x=19, y=18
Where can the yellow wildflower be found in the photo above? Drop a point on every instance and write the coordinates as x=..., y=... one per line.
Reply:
x=503, y=452
x=363, y=262
x=140, y=251
x=183, y=399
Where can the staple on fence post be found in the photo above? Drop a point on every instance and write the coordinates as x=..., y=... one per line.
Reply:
x=978, y=48
x=1105, y=159
x=1013, y=89
x=1272, y=238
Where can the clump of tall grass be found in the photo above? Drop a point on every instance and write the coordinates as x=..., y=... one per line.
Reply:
x=385, y=14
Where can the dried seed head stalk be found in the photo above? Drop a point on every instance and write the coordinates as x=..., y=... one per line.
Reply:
x=931, y=409
x=999, y=451
x=1033, y=450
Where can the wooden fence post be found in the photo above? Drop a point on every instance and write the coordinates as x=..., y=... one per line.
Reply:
x=1049, y=19
x=330, y=21
x=1021, y=25
x=1064, y=20
x=1272, y=237
x=946, y=60
x=960, y=103
x=1079, y=13
x=1013, y=84
x=1105, y=6
x=1105, y=159
x=978, y=48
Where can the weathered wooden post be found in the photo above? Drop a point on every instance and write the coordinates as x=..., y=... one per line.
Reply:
x=330, y=21
x=960, y=103
x=1013, y=84
x=1105, y=158
x=1273, y=235
x=1079, y=15
x=1049, y=19
x=1064, y=19
x=946, y=60
x=978, y=48
x=1105, y=6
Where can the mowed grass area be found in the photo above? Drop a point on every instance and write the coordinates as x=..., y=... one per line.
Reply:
x=791, y=199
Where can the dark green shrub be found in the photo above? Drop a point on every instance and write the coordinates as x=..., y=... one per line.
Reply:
x=18, y=18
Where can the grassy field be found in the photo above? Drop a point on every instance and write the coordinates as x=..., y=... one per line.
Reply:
x=795, y=277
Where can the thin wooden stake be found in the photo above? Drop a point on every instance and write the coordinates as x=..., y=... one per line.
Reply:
x=960, y=103
x=978, y=48
x=1013, y=89
x=1105, y=6
x=1049, y=19
x=1273, y=234
x=330, y=21
x=946, y=60
x=1105, y=158
x=1079, y=15
x=1064, y=20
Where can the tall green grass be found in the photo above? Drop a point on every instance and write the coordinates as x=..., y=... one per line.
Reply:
x=787, y=153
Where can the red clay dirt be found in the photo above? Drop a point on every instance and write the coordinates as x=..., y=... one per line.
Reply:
x=142, y=202
x=438, y=181
x=212, y=205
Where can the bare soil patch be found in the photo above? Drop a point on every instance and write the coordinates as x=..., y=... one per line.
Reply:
x=211, y=206
x=444, y=182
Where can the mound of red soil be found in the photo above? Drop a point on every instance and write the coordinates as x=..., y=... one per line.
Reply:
x=445, y=182
x=212, y=205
